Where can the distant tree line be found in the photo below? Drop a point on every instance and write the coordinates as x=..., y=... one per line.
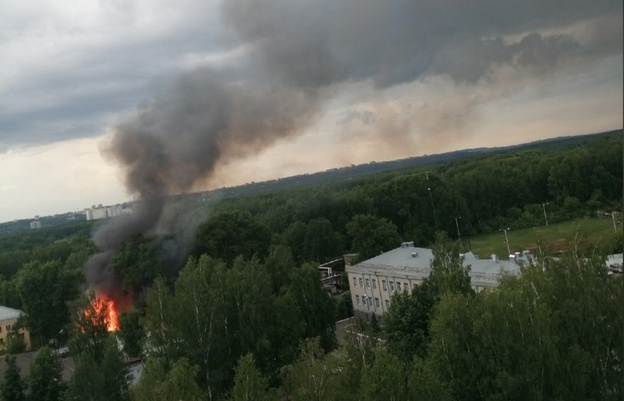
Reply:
x=373, y=214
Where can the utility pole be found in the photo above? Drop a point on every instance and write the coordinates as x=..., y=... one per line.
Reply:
x=507, y=241
x=457, y=225
x=435, y=219
x=545, y=216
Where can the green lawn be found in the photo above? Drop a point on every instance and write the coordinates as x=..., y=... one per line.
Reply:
x=555, y=237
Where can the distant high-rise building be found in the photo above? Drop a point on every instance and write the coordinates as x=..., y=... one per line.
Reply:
x=103, y=212
x=35, y=224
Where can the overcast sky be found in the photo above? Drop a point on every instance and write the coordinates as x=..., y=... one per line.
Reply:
x=254, y=90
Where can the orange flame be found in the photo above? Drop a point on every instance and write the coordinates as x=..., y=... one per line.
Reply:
x=102, y=304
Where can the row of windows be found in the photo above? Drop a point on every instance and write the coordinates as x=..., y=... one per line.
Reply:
x=368, y=301
x=384, y=285
x=367, y=281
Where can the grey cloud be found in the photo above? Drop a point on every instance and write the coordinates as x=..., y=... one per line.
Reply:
x=365, y=117
x=323, y=42
x=300, y=52
x=88, y=75
x=303, y=44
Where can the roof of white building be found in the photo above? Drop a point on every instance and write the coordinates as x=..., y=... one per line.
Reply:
x=415, y=263
x=9, y=313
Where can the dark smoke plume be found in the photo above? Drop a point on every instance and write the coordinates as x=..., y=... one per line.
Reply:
x=297, y=54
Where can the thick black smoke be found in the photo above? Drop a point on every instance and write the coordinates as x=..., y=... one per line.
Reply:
x=297, y=54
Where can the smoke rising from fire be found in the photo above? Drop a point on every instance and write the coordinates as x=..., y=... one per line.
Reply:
x=298, y=54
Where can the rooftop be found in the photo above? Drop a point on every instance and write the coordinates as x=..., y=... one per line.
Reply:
x=9, y=313
x=415, y=263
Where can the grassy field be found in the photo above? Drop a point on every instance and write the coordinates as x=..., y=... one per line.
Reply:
x=555, y=237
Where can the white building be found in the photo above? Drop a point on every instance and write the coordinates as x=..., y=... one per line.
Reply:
x=373, y=282
x=35, y=224
x=103, y=212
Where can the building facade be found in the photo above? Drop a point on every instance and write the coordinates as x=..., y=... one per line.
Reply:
x=8, y=318
x=373, y=282
x=103, y=212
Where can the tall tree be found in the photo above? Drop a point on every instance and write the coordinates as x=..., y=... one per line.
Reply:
x=406, y=323
x=45, y=377
x=448, y=274
x=555, y=332
x=12, y=386
x=179, y=383
x=103, y=380
x=316, y=308
x=137, y=264
x=321, y=242
x=87, y=383
x=249, y=384
x=424, y=385
x=307, y=379
x=230, y=234
x=89, y=327
x=47, y=312
x=384, y=379
x=149, y=387
x=113, y=370
x=372, y=235
x=131, y=332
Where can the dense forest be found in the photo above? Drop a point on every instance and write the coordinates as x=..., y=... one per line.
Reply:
x=245, y=317
x=488, y=193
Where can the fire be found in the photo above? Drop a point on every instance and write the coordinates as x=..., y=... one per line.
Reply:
x=106, y=307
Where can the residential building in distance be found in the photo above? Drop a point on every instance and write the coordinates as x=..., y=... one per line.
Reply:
x=373, y=282
x=35, y=224
x=8, y=318
x=103, y=212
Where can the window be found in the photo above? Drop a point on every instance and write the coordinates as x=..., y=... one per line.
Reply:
x=354, y=282
x=383, y=284
x=374, y=284
x=387, y=304
x=398, y=286
x=377, y=302
x=370, y=301
x=367, y=283
x=407, y=287
x=357, y=299
x=392, y=286
x=361, y=285
x=8, y=328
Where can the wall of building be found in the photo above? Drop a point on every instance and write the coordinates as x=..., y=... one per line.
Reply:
x=5, y=329
x=104, y=212
x=372, y=293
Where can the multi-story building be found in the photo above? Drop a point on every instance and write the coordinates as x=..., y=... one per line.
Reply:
x=103, y=212
x=373, y=282
x=8, y=318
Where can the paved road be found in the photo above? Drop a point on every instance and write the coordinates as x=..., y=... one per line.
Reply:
x=340, y=329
